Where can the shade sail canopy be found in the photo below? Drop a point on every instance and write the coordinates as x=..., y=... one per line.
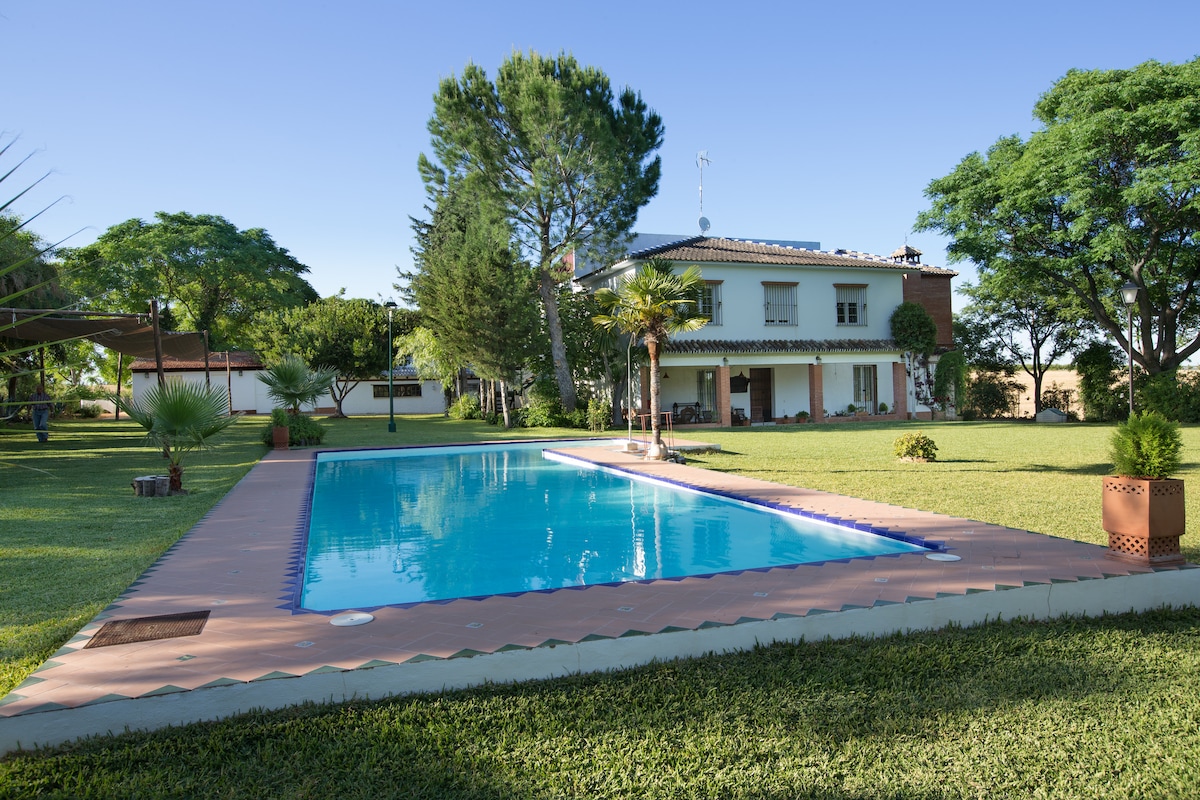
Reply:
x=126, y=333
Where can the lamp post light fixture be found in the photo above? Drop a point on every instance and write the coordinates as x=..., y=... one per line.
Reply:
x=1129, y=295
x=391, y=307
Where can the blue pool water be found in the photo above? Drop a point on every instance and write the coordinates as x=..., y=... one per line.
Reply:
x=406, y=526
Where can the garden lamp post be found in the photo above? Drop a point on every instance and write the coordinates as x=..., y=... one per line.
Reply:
x=1129, y=295
x=391, y=307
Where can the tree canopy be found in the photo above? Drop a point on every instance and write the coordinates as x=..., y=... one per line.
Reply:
x=475, y=293
x=1106, y=191
x=1029, y=324
x=568, y=161
x=347, y=335
x=206, y=274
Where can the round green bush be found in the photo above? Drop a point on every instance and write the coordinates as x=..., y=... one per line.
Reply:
x=465, y=407
x=916, y=446
x=1146, y=445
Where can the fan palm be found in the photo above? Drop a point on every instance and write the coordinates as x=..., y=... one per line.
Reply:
x=179, y=417
x=654, y=303
x=291, y=383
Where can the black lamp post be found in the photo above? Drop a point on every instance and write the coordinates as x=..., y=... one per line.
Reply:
x=1129, y=295
x=391, y=307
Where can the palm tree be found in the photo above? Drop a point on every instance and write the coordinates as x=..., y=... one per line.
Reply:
x=291, y=383
x=654, y=304
x=179, y=417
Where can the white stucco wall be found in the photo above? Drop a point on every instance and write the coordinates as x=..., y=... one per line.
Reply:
x=250, y=394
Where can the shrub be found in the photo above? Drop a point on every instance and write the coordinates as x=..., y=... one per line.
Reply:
x=599, y=416
x=1097, y=367
x=465, y=407
x=541, y=413
x=89, y=410
x=916, y=446
x=1146, y=445
x=1175, y=395
x=990, y=395
x=883, y=408
x=302, y=430
x=279, y=418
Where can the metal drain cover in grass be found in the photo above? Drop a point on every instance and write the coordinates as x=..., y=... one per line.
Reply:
x=149, y=629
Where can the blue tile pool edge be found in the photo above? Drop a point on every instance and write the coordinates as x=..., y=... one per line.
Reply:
x=782, y=508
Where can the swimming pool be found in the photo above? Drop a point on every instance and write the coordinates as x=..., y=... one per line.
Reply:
x=433, y=524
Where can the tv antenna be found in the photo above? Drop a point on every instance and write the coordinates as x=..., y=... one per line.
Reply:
x=702, y=159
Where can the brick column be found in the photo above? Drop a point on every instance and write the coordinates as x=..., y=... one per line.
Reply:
x=724, y=411
x=899, y=390
x=816, y=393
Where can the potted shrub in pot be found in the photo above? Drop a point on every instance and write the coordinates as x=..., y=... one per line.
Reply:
x=1143, y=508
x=280, y=433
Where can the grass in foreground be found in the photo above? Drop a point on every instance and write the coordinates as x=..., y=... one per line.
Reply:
x=1070, y=708
x=1079, y=709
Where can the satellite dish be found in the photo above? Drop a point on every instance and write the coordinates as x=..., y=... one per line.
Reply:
x=704, y=224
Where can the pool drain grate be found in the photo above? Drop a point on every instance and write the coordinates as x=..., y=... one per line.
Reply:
x=149, y=629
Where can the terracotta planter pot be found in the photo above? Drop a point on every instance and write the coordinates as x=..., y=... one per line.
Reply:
x=1144, y=519
x=280, y=436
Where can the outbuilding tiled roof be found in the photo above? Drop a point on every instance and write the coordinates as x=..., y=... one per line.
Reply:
x=238, y=359
x=703, y=249
x=780, y=345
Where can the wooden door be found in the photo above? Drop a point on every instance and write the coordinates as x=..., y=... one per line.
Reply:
x=761, y=391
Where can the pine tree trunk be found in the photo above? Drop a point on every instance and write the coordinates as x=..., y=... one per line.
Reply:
x=548, y=290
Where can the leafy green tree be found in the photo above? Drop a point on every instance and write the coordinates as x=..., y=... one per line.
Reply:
x=1106, y=191
x=431, y=361
x=569, y=162
x=1028, y=323
x=1097, y=365
x=347, y=336
x=653, y=303
x=292, y=384
x=179, y=417
x=205, y=273
x=473, y=290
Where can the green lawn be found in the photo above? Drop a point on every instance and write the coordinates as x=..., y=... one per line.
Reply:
x=1073, y=708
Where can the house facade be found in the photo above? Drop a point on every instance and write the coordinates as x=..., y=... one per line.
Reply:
x=792, y=330
x=237, y=373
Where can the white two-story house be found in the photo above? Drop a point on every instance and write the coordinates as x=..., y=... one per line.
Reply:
x=791, y=329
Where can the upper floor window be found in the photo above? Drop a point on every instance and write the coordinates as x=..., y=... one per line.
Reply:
x=779, y=303
x=851, y=305
x=710, y=302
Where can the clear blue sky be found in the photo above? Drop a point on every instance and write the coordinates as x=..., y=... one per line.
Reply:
x=823, y=121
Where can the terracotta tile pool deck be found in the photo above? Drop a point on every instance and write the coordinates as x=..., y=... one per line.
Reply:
x=240, y=563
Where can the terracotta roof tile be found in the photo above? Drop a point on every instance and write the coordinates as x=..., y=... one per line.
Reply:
x=703, y=249
x=238, y=359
